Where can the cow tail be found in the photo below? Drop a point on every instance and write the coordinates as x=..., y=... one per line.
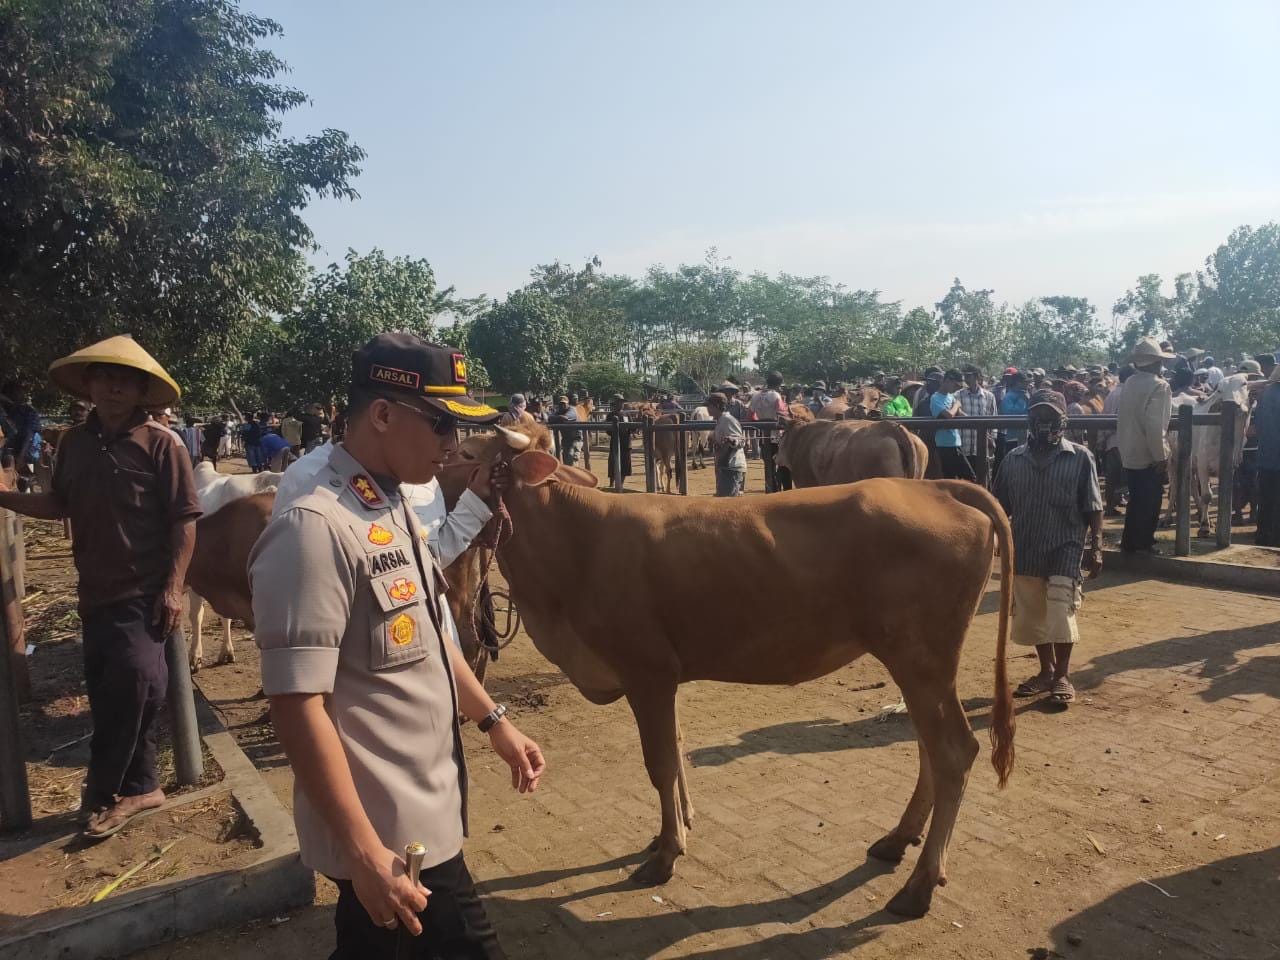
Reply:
x=906, y=448
x=1002, y=719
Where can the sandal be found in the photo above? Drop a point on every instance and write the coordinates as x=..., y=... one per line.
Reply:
x=1033, y=687
x=111, y=825
x=1063, y=692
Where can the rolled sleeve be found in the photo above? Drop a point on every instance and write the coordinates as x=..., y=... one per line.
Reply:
x=303, y=585
x=460, y=527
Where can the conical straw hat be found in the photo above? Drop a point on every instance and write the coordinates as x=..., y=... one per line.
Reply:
x=69, y=372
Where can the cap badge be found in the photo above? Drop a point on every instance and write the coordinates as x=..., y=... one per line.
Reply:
x=366, y=491
x=459, y=369
x=402, y=589
x=379, y=535
x=394, y=376
x=402, y=630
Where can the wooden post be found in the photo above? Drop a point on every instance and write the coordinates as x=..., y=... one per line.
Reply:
x=650, y=468
x=984, y=465
x=188, y=760
x=1227, y=470
x=13, y=555
x=682, y=458
x=15, y=798
x=1182, y=472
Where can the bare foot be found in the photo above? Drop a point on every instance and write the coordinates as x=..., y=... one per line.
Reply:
x=107, y=823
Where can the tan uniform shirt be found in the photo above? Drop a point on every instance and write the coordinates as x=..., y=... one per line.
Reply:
x=347, y=600
x=1144, y=408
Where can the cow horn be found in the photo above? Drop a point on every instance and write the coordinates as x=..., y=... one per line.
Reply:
x=515, y=440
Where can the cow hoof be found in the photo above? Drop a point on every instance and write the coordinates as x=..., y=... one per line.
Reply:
x=656, y=870
x=195, y=666
x=909, y=903
x=226, y=658
x=891, y=848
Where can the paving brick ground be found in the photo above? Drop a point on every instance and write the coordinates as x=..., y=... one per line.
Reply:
x=1167, y=770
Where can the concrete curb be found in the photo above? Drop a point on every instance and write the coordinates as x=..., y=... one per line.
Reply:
x=275, y=882
x=1204, y=573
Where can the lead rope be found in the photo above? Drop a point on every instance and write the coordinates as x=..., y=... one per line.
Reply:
x=490, y=539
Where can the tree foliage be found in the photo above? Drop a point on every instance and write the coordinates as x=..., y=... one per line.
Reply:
x=144, y=182
x=696, y=366
x=604, y=378
x=526, y=343
x=342, y=308
x=1053, y=331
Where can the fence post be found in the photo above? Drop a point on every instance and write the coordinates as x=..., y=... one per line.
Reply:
x=650, y=468
x=555, y=436
x=682, y=457
x=984, y=465
x=188, y=761
x=15, y=798
x=1227, y=470
x=1182, y=473
x=616, y=439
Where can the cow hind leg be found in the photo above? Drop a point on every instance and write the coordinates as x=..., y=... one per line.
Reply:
x=682, y=779
x=910, y=829
x=654, y=707
x=946, y=737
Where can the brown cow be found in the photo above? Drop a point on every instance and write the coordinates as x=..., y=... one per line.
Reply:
x=648, y=627
x=845, y=451
x=219, y=569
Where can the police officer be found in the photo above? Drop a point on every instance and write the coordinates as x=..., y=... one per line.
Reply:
x=365, y=693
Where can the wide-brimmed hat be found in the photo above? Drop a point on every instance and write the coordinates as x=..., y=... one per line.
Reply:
x=70, y=373
x=1147, y=350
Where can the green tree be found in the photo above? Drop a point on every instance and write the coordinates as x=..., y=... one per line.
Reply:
x=604, y=378
x=978, y=331
x=342, y=308
x=145, y=185
x=595, y=304
x=1053, y=331
x=1144, y=311
x=699, y=365
x=918, y=342
x=526, y=343
x=1237, y=310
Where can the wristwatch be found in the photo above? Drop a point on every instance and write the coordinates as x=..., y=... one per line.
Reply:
x=492, y=717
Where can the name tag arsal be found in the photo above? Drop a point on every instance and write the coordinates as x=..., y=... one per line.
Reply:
x=386, y=561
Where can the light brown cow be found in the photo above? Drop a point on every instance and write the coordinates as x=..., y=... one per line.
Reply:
x=647, y=627
x=845, y=451
x=664, y=451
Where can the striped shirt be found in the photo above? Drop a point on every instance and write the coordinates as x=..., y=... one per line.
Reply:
x=1047, y=505
x=975, y=403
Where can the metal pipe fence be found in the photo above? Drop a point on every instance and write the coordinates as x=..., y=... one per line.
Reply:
x=1181, y=424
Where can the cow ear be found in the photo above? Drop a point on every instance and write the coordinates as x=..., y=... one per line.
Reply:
x=534, y=467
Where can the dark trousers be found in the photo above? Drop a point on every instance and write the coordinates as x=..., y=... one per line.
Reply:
x=1246, y=485
x=1268, y=508
x=1146, y=491
x=977, y=463
x=1116, y=478
x=954, y=465
x=769, y=450
x=126, y=677
x=454, y=925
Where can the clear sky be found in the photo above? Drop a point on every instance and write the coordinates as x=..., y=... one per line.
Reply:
x=1028, y=147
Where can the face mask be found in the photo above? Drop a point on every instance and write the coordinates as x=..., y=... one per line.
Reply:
x=1044, y=434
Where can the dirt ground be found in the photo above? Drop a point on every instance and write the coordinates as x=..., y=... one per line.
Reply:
x=1139, y=823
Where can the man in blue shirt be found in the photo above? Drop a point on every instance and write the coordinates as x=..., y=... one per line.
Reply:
x=944, y=405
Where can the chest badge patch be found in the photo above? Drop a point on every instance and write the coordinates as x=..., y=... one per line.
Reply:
x=379, y=535
x=366, y=491
x=402, y=589
x=402, y=630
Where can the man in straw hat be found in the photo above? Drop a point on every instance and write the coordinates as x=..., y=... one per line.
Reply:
x=1143, y=420
x=365, y=690
x=126, y=483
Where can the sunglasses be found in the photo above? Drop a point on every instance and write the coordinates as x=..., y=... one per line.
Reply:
x=443, y=425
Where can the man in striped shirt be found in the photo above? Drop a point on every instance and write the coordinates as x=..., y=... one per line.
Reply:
x=1049, y=488
x=976, y=401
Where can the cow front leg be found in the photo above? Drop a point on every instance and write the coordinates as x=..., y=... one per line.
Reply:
x=228, y=651
x=655, y=712
x=944, y=732
x=682, y=780
x=195, y=619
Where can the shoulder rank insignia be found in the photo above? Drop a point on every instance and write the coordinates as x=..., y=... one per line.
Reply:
x=366, y=491
x=402, y=629
x=402, y=589
x=379, y=535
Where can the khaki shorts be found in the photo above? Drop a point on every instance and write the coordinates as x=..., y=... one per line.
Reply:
x=1044, y=610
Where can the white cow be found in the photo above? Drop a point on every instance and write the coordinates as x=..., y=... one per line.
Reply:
x=1206, y=443
x=215, y=491
x=701, y=439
